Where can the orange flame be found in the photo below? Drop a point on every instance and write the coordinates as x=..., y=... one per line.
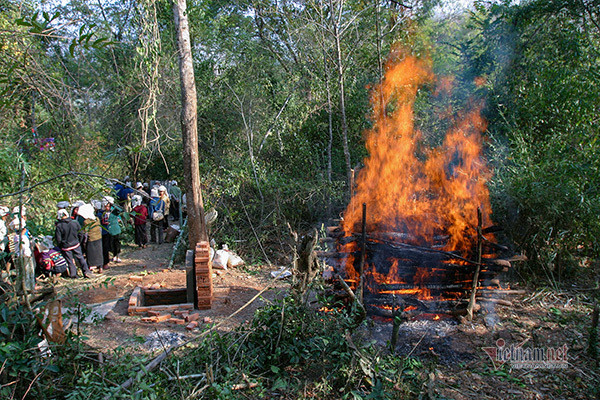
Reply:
x=414, y=190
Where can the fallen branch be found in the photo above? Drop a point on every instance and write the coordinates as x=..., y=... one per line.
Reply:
x=180, y=378
x=363, y=312
x=240, y=386
x=70, y=173
x=500, y=302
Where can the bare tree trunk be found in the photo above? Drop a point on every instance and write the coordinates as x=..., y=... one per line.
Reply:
x=330, y=117
x=340, y=67
x=189, y=128
x=379, y=58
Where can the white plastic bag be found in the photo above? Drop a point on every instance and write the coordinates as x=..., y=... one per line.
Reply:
x=220, y=260
x=234, y=260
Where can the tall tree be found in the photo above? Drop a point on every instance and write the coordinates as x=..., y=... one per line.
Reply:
x=189, y=127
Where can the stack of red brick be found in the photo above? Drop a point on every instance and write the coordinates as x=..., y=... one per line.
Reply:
x=203, y=270
x=179, y=317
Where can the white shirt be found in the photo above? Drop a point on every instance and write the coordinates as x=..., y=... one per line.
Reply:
x=26, y=245
x=2, y=230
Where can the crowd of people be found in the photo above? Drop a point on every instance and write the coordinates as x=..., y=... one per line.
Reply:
x=88, y=234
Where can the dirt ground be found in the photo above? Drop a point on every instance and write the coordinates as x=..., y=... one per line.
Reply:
x=232, y=288
x=454, y=352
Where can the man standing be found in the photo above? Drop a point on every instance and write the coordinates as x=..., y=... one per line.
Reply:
x=175, y=201
x=67, y=239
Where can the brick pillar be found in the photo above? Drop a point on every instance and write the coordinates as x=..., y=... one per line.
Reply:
x=203, y=271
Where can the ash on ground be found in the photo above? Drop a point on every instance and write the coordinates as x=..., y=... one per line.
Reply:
x=437, y=340
x=164, y=339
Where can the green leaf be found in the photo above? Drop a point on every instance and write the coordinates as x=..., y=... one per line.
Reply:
x=98, y=43
x=22, y=22
x=275, y=369
x=72, y=48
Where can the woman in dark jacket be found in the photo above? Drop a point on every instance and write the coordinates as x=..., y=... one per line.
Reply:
x=66, y=237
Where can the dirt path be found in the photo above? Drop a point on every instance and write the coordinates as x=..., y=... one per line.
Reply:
x=232, y=289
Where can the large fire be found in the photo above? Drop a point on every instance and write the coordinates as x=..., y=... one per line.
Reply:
x=408, y=189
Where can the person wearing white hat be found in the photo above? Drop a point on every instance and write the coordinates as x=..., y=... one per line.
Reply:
x=66, y=236
x=140, y=216
x=93, y=247
x=75, y=209
x=164, y=196
x=157, y=215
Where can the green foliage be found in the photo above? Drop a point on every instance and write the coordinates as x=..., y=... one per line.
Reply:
x=543, y=108
x=18, y=346
x=294, y=351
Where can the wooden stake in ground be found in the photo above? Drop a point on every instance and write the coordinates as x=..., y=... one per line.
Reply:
x=478, y=267
x=189, y=128
x=363, y=252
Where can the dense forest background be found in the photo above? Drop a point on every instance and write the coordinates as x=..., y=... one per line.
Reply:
x=283, y=90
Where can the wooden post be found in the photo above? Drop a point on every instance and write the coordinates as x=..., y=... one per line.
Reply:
x=363, y=252
x=395, y=324
x=478, y=267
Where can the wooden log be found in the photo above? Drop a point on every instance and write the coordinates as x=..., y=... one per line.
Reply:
x=492, y=229
x=498, y=261
x=333, y=229
x=500, y=291
x=500, y=302
x=430, y=286
x=335, y=234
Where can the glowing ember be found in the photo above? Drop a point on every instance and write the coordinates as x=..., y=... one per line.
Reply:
x=327, y=309
x=423, y=192
x=436, y=317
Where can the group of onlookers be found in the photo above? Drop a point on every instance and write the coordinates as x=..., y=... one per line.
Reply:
x=88, y=234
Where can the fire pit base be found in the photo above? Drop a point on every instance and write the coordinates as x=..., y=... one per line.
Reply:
x=143, y=300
